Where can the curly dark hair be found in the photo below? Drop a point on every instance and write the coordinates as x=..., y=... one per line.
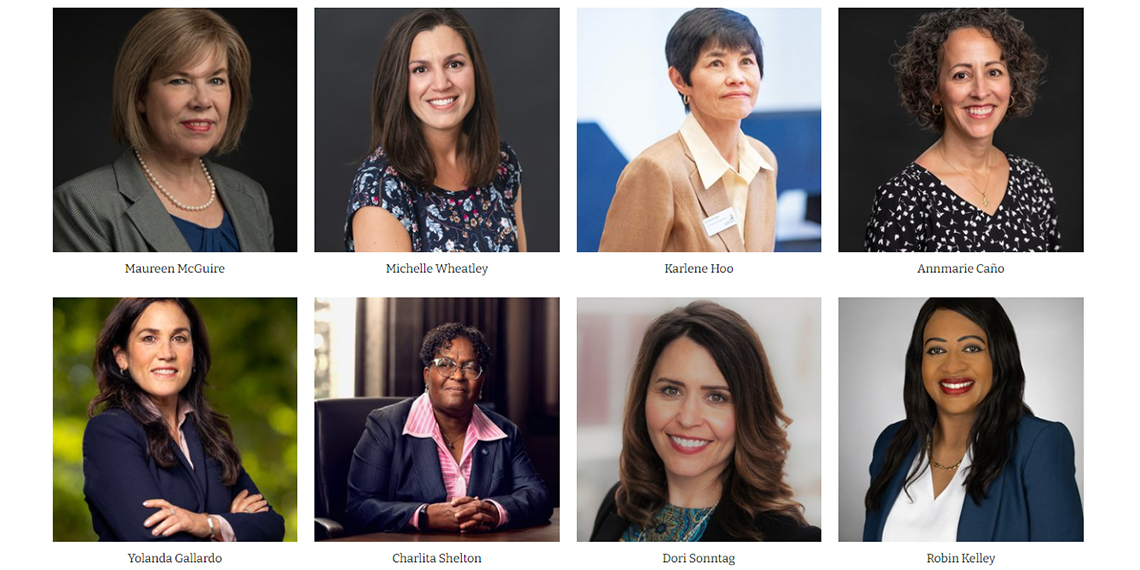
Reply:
x=753, y=482
x=918, y=60
x=440, y=338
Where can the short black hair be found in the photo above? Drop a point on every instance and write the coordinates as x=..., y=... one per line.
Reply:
x=702, y=27
x=440, y=338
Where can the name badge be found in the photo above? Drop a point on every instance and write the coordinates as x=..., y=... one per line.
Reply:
x=720, y=221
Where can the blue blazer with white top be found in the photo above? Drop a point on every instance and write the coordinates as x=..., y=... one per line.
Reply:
x=392, y=474
x=1033, y=498
x=119, y=474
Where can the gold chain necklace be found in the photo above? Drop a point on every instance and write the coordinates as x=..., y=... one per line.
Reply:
x=989, y=173
x=930, y=454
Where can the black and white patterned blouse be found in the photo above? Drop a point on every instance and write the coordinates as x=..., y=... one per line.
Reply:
x=915, y=211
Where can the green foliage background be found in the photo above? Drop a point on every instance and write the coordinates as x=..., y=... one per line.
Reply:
x=254, y=381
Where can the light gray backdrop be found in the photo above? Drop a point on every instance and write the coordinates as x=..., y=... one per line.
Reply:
x=873, y=338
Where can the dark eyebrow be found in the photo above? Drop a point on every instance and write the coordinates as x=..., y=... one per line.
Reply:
x=450, y=57
x=932, y=339
x=673, y=382
x=983, y=341
x=155, y=331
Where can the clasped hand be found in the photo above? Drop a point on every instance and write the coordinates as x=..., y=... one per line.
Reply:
x=463, y=514
x=172, y=519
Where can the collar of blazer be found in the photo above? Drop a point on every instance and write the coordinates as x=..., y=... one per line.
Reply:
x=976, y=523
x=153, y=221
x=714, y=199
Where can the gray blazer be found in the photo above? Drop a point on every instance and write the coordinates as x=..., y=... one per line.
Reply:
x=113, y=208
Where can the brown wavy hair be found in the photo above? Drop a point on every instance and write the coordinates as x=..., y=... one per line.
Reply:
x=117, y=390
x=163, y=41
x=919, y=59
x=397, y=130
x=753, y=482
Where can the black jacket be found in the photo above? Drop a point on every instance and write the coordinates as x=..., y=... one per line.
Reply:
x=608, y=526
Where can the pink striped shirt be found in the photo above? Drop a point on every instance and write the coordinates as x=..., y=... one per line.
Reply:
x=456, y=476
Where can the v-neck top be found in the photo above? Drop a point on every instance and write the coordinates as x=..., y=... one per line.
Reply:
x=916, y=211
x=919, y=516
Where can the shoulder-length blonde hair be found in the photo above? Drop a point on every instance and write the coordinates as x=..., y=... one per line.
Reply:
x=163, y=41
x=753, y=482
x=396, y=128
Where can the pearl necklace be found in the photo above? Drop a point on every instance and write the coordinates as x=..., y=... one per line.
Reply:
x=173, y=200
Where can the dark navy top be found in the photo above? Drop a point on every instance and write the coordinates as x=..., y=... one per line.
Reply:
x=472, y=219
x=221, y=238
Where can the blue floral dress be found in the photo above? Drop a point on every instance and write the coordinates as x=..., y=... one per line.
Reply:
x=472, y=219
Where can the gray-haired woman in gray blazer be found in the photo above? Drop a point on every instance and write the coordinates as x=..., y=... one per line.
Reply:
x=181, y=90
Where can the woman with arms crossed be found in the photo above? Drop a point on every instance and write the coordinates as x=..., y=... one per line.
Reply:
x=158, y=462
x=438, y=178
x=709, y=187
x=962, y=73
x=970, y=463
x=181, y=90
x=704, y=440
x=439, y=462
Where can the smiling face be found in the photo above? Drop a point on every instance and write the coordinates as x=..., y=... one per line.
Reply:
x=186, y=110
x=724, y=84
x=973, y=84
x=159, y=353
x=689, y=414
x=957, y=369
x=457, y=392
x=441, y=80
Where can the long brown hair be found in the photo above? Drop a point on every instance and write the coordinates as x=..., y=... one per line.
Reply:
x=397, y=130
x=753, y=482
x=117, y=390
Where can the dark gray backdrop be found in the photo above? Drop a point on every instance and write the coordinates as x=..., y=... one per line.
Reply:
x=520, y=47
x=877, y=139
x=86, y=45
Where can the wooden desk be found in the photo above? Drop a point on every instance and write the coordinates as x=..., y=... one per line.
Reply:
x=546, y=532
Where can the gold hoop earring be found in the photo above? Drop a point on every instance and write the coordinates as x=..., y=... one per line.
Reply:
x=1012, y=101
x=936, y=109
x=685, y=99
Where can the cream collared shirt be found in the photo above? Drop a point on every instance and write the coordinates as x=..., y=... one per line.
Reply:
x=711, y=166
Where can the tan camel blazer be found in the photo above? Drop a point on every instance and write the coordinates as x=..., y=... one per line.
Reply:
x=660, y=204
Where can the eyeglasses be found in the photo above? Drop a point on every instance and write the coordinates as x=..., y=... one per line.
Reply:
x=447, y=367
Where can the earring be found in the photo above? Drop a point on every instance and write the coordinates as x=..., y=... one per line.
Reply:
x=685, y=99
x=936, y=109
x=1012, y=101
x=480, y=393
x=425, y=388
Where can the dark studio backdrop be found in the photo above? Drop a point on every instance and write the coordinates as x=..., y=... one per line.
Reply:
x=520, y=48
x=877, y=138
x=521, y=381
x=86, y=45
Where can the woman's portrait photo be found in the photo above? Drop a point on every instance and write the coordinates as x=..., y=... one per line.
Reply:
x=986, y=444
x=160, y=434
x=199, y=103
x=430, y=154
x=683, y=408
x=979, y=120
x=437, y=419
x=726, y=101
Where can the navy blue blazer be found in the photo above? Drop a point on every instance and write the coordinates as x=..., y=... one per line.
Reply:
x=1034, y=498
x=118, y=475
x=392, y=474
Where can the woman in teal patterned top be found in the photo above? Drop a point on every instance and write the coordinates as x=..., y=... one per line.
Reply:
x=703, y=443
